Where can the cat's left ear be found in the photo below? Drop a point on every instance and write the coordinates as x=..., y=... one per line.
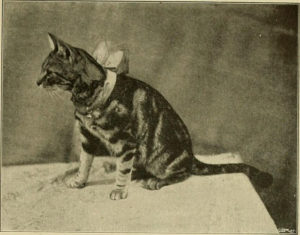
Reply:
x=52, y=41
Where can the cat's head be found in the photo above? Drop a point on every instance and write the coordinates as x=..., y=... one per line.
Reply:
x=70, y=68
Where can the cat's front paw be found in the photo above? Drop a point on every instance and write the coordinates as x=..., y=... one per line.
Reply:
x=118, y=194
x=75, y=182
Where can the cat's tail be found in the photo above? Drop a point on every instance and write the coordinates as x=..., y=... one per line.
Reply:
x=262, y=179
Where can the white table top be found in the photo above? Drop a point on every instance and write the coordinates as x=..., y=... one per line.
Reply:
x=201, y=204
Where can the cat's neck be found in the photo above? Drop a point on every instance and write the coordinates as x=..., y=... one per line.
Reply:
x=90, y=84
x=104, y=94
x=98, y=97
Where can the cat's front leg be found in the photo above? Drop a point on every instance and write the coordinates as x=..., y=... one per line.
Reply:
x=79, y=180
x=86, y=159
x=123, y=174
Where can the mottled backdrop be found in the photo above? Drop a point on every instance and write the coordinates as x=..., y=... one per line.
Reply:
x=230, y=71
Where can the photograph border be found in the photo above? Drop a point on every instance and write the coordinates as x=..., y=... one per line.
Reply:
x=289, y=2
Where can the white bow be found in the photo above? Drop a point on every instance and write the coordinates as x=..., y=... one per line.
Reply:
x=114, y=59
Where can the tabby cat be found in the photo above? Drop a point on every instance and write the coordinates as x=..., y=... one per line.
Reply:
x=131, y=120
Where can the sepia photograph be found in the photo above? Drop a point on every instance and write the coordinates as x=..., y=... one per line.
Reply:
x=149, y=117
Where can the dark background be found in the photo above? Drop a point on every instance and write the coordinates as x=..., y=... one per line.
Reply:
x=230, y=71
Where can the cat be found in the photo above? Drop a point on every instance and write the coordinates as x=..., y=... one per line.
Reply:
x=131, y=120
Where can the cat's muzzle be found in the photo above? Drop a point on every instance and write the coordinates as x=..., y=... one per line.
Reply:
x=41, y=79
x=39, y=82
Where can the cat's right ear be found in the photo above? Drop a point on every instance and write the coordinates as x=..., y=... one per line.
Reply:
x=53, y=41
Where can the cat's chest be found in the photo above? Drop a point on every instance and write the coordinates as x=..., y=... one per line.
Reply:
x=105, y=123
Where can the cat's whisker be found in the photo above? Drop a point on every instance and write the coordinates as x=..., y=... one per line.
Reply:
x=54, y=94
x=51, y=94
x=58, y=95
x=48, y=93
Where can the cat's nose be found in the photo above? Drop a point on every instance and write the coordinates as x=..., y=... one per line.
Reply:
x=41, y=79
x=39, y=82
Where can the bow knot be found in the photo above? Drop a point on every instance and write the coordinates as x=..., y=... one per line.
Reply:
x=112, y=58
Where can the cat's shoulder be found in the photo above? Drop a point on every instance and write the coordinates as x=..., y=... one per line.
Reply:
x=136, y=85
x=133, y=90
x=128, y=81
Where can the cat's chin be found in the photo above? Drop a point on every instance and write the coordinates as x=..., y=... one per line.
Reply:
x=64, y=87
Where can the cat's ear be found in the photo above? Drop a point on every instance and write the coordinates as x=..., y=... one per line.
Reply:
x=60, y=47
x=52, y=41
x=64, y=49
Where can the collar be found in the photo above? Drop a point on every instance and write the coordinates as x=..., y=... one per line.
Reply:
x=108, y=87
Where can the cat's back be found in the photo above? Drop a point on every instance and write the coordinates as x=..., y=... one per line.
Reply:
x=142, y=99
x=134, y=88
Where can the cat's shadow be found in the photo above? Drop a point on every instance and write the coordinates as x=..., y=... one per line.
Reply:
x=101, y=182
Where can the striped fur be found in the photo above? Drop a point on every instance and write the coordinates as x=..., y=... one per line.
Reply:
x=136, y=125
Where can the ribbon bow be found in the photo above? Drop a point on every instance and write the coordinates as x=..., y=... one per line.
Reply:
x=112, y=58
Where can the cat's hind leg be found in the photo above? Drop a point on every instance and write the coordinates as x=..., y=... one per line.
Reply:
x=140, y=174
x=155, y=183
x=168, y=169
